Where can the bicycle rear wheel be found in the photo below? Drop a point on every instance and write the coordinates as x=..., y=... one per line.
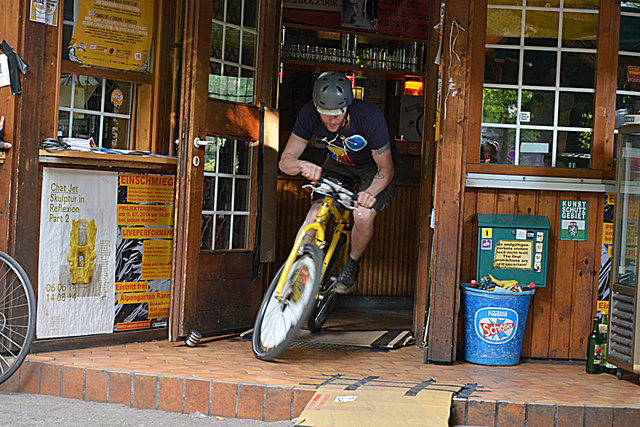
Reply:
x=278, y=321
x=17, y=316
x=327, y=298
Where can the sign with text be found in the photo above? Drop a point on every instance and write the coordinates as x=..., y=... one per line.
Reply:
x=322, y=5
x=113, y=33
x=573, y=220
x=513, y=254
x=409, y=18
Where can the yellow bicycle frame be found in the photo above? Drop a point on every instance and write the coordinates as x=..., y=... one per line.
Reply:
x=327, y=210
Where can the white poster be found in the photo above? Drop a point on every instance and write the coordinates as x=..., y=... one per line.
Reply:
x=76, y=269
x=44, y=11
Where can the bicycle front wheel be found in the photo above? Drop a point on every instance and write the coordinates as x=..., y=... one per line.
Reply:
x=327, y=297
x=17, y=316
x=279, y=320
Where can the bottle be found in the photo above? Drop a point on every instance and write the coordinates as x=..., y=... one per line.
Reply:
x=603, y=328
x=594, y=349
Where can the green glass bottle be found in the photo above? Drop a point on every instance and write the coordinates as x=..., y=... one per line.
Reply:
x=604, y=330
x=594, y=349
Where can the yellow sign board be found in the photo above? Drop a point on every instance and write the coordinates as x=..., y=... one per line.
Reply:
x=513, y=254
x=113, y=33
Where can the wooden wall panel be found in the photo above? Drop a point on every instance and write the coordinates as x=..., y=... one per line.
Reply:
x=560, y=314
x=389, y=264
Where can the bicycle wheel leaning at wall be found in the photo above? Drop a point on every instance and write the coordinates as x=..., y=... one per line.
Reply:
x=17, y=316
x=279, y=320
x=327, y=297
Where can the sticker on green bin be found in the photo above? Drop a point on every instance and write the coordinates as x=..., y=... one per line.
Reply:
x=573, y=220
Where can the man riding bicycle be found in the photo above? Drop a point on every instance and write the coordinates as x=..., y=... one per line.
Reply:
x=357, y=139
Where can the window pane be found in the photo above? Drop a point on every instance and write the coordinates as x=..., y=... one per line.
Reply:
x=208, y=193
x=499, y=105
x=232, y=45
x=541, y=28
x=497, y=145
x=225, y=189
x=626, y=104
x=539, y=106
x=223, y=227
x=63, y=124
x=66, y=81
x=210, y=152
x=503, y=26
x=578, y=70
x=248, y=49
x=216, y=40
x=243, y=158
x=227, y=162
x=539, y=68
x=206, y=231
x=250, y=14
x=116, y=133
x=582, y=4
x=574, y=149
x=506, y=2
x=629, y=39
x=234, y=10
x=218, y=10
x=88, y=94
x=243, y=192
x=86, y=126
x=118, y=97
x=628, y=73
x=239, y=232
x=576, y=109
x=544, y=3
x=535, y=147
x=501, y=66
x=580, y=30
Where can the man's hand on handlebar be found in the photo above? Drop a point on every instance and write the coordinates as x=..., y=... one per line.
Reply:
x=310, y=171
x=366, y=200
x=3, y=145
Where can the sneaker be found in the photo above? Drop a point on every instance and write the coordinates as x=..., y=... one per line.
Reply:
x=348, y=278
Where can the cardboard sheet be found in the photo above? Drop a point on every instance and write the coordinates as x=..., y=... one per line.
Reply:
x=335, y=406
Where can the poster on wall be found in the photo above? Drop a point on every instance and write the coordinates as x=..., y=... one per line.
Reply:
x=604, y=275
x=573, y=220
x=143, y=251
x=44, y=11
x=113, y=34
x=76, y=266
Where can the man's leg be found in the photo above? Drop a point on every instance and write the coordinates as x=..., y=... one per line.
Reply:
x=311, y=216
x=360, y=237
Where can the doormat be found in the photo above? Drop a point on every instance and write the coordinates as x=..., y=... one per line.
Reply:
x=386, y=339
x=381, y=403
x=382, y=340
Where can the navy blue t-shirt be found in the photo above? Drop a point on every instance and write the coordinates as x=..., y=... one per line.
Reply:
x=367, y=131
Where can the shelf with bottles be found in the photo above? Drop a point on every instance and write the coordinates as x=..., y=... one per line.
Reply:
x=350, y=49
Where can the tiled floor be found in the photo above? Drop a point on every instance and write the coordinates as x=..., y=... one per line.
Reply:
x=222, y=377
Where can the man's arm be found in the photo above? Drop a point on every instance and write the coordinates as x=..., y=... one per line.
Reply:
x=384, y=160
x=291, y=164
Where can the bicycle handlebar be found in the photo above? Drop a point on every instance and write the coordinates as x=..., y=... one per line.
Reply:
x=334, y=189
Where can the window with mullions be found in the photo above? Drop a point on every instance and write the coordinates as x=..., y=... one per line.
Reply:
x=539, y=82
x=226, y=198
x=628, y=89
x=234, y=50
x=97, y=108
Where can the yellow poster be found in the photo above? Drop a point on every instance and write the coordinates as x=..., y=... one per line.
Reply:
x=513, y=254
x=113, y=33
x=156, y=259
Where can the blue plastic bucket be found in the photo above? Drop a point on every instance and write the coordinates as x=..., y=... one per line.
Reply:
x=494, y=325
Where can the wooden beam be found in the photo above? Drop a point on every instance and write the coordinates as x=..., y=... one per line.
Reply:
x=449, y=183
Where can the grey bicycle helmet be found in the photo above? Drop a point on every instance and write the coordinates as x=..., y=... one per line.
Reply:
x=332, y=93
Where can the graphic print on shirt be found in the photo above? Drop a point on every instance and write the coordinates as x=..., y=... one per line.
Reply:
x=340, y=146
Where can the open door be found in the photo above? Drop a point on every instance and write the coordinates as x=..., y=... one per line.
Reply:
x=215, y=284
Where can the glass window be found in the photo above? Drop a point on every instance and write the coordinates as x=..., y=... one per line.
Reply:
x=628, y=87
x=226, y=195
x=234, y=50
x=90, y=107
x=539, y=83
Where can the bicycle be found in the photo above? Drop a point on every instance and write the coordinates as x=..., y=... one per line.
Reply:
x=17, y=316
x=303, y=288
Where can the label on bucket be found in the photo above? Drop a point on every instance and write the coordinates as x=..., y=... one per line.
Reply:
x=496, y=325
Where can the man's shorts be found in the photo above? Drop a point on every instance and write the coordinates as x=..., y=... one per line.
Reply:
x=361, y=179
